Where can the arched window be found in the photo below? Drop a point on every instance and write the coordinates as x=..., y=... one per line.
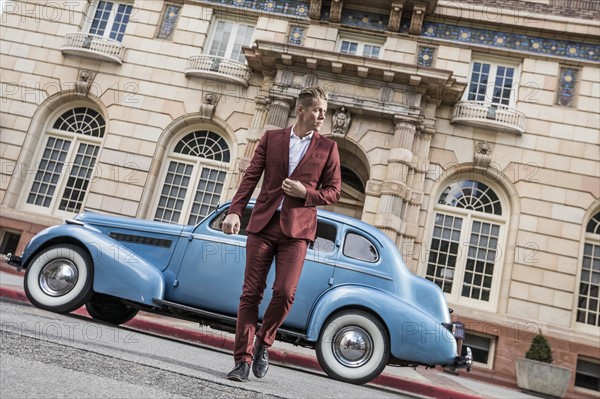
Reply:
x=588, y=308
x=193, y=181
x=465, y=252
x=67, y=161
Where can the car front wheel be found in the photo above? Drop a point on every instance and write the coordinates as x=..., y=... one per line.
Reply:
x=59, y=278
x=109, y=309
x=353, y=347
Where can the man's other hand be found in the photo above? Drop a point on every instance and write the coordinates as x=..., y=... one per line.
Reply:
x=294, y=188
x=231, y=224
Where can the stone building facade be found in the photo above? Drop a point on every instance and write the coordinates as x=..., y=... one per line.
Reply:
x=468, y=132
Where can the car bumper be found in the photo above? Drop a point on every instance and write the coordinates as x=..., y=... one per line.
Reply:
x=460, y=362
x=15, y=261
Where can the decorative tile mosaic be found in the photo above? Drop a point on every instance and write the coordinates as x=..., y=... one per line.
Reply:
x=433, y=30
x=360, y=19
x=296, y=35
x=566, y=86
x=425, y=56
x=168, y=21
x=290, y=8
x=513, y=41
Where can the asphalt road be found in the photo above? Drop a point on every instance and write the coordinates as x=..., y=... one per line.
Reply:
x=43, y=354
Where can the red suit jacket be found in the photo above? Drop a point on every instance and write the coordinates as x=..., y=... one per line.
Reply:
x=319, y=171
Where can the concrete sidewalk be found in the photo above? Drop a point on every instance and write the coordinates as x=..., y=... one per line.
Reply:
x=430, y=383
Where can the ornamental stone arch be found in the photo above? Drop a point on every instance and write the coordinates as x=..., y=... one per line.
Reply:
x=45, y=114
x=184, y=137
x=586, y=313
x=355, y=170
x=477, y=205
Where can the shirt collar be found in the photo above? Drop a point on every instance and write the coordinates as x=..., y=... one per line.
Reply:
x=307, y=137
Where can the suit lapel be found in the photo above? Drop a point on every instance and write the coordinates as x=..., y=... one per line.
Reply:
x=314, y=143
x=285, y=148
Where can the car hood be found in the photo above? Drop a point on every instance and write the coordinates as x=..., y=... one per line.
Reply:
x=102, y=221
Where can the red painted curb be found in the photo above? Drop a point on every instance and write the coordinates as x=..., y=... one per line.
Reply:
x=13, y=294
x=384, y=380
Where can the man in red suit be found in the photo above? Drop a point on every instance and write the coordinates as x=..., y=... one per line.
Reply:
x=301, y=170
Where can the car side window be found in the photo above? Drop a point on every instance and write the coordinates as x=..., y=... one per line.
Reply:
x=325, y=239
x=359, y=247
x=216, y=223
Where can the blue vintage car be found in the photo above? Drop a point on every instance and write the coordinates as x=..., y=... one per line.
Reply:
x=357, y=304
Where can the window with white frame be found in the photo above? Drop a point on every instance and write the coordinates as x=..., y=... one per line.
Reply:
x=465, y=254
x=359, y=46
x=588, y=303
x=109, y=19
x=493, y=82
x=194, y=178
x=228, y=38
x=67, y=160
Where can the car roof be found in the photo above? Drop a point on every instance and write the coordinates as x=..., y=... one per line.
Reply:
x=340, y=218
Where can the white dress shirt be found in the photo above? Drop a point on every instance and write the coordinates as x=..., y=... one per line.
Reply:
x=298, y=147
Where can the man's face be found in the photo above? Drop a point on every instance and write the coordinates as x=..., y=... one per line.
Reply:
x=313, y=116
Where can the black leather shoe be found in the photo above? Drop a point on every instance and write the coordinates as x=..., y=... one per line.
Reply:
x=240, y=372
x=260, y=362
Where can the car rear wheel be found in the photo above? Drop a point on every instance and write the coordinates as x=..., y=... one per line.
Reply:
x=59, y=278
x=110, y=309
x=353, y=347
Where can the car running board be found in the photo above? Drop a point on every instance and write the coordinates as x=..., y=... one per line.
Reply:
x=219, y=318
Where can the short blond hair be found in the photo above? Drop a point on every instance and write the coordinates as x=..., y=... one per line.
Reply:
x=309, y=95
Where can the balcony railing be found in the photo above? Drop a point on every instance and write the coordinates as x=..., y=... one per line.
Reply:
x=490, y=116
x=93, y=46
x=218, y=68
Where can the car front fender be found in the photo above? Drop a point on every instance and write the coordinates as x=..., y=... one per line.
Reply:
x=117, y=270
x=414, y=335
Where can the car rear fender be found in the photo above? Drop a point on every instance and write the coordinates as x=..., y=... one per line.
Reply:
x=117, y=270
x=414, y=335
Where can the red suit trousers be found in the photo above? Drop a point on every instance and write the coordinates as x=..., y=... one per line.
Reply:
x=261, y=248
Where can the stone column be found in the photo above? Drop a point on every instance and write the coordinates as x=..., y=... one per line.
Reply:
x=254, y=132
x=269, y=114
x=412, y=210
x=395, y=190
x=252, y=137
x=279, y=112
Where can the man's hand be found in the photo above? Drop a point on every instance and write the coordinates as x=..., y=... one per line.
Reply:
x=294, y=188
x=231, y=224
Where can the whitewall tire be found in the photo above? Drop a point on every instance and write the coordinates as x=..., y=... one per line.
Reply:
x=59, y=278
x=353, y=347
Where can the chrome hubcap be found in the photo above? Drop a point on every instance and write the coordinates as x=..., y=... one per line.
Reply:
x=58, y=277
x=352, y=346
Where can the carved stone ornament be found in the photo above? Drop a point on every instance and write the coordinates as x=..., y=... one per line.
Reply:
x=209, y=104
x=341, y=122
x=373, y=188
x=243, y=164
x=398, y=189
x=483, y=154
x=85, y=78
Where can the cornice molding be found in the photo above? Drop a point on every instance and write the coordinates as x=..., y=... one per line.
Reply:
x=436, y=85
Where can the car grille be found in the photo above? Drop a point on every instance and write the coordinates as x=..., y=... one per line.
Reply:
x=157, y=242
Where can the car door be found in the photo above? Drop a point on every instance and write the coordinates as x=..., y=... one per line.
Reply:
x=317, y=274
x=212, y=271
x=360, y=261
